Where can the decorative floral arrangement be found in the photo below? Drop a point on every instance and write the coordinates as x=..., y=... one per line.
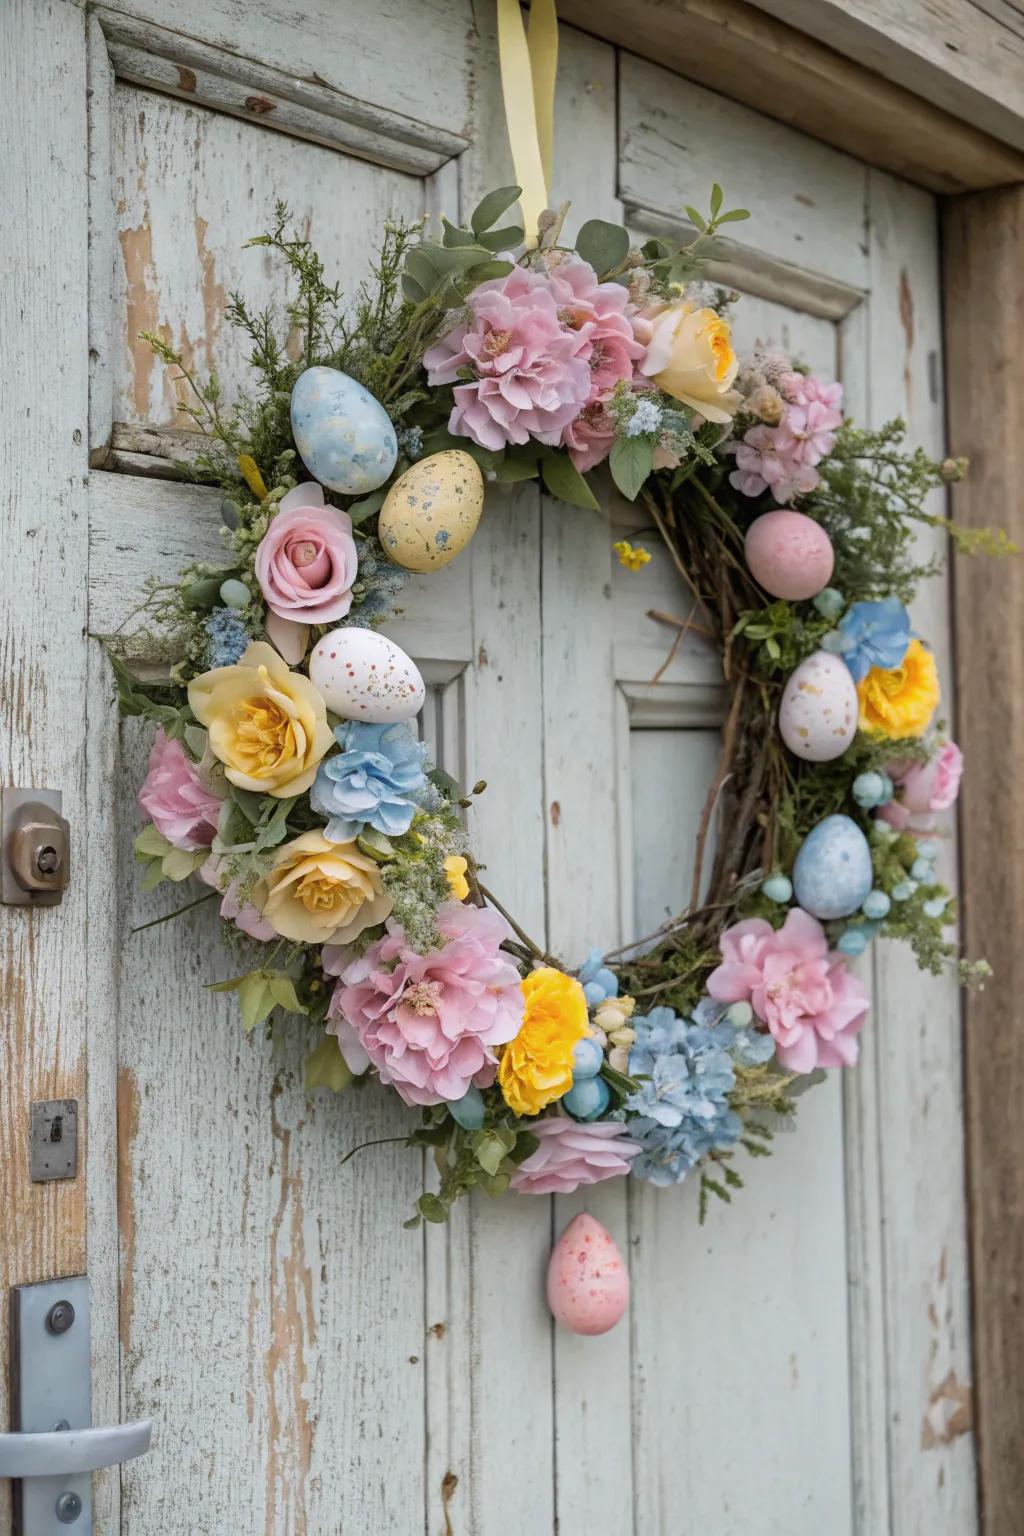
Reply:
x=287, y=775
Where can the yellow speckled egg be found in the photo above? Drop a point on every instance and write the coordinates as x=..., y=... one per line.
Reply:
x=431, y=512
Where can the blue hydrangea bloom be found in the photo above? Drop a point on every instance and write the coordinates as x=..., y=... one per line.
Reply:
x=874, y=635
x=645, y=419
x=681, y=1108
x=373, y=781
x=599, y=982
x=228, y=638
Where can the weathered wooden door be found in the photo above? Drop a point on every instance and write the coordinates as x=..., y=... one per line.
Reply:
x=800, y=1363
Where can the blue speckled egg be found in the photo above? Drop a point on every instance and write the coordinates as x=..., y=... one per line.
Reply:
x=344, y=436
x=832, y=873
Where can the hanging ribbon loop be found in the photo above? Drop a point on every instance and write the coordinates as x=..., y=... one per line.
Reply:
x=529, y=64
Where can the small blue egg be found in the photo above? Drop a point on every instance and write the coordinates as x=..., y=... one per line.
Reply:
x=928, y=848
x=469, y=1110
x=868, y=790
x=235, y=594
x=832, y=873
x=853, y=942
x=740, y=1015
x=936, y=906
x=344, y=436
x=922, y=870
x=586, y=1059
x=777, y=888
x=889, y=791
x=904, y=890
x=586, y=1100
x=876, y=904
x=594, y=993
x=830, y=603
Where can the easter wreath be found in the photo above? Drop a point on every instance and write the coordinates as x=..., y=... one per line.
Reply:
x=285, y=772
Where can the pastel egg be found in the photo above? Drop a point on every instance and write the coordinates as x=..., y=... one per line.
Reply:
x=587, y=1098
x=363, y=675
x=789, y=555
x=588, y=1282
x=432, y=511
x=344, y=436
x=818, y=713
x=832, y=873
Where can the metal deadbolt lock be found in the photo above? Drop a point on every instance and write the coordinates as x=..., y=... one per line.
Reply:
x=35, y=847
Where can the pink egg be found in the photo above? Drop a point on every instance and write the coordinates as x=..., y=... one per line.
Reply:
x=789, y=555
x=588, y=1282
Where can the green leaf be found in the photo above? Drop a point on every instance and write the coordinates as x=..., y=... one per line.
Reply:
x=359, y=511
x=511, y=470
x=448, y=786
x=282, y=990
x=326, y=1066
x=412, y=290
x=232, y=985
x=376, y=846
x=630, y=462
x=489, y=1151
x=453, y=235
x=178, y=865
x=564, y=480
x=696, y=218
x=604, y=245
x=734, y=216
x=275, y=829
x=255, y=1000
x=205, y=592
x=490, y=208
x=150, y=844
x=413, y=1222
x=457, y=258
x=153, y=877
x=250, y=804
x=526, y=1145
x=505, y=239
x=421, y=269
x=431, y=1208
x=488, y=269
x=716, y=199
x=656, y=250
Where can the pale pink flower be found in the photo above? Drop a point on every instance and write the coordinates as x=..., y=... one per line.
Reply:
x=807, y=388
x=783, y=458
x=922, y=789
x=174, y=798
x=590, y=437
x=430, y=1023
x=761, y=465
x=806, y=433
x=532, y=373
x=572, y=1154
x=232, y=909
x=812, y=1005
x=306, y=561
x=600, y=312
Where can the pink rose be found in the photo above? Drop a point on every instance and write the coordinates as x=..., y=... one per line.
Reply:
x=922, y=789
x=590, y=437
x=811, y=1004
x=306, y=564
x=242, y=913
x=571, y=1155
x=174, y=799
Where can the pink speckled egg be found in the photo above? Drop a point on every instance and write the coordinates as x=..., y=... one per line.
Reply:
x=789, y=555
x=588, y=1282
x=363, y=675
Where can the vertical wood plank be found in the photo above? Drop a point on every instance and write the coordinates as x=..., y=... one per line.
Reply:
x=984, y=310
x=43, y=700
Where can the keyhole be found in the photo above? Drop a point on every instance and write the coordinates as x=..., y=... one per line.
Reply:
x=57, y=1128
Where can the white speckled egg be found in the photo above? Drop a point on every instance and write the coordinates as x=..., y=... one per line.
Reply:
x=365, y=676
x=344, y=436
x=432, y=511
x=818, y=714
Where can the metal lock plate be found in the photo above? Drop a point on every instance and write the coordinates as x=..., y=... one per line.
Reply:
x=51, y=1390
x=53, y=1139
x=35, y=848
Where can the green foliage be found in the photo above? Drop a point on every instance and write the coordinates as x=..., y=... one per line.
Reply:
x=563, y=479
x=259, y=993
x=326, y=1067
x=631, y=461
x=604, y=245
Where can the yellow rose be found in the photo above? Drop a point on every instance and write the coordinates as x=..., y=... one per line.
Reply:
x=536, y=1067
x=455, y=868
x=900, y=703
x=690, y=356
x=322, y=893
x=266, y=723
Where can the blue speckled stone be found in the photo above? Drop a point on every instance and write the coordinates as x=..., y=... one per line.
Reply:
x=344, y=436
x=832, y=873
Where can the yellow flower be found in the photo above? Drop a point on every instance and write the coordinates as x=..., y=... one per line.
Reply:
x=631, y=558
x=266, y=724
x=455, y=868
x=690, y=356
x=251, y=475
x=322, y=893
x=536, y=1067
x=900, y=703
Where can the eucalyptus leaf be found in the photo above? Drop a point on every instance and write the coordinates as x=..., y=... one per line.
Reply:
x=630, y=461
x=489, y=1151
x=604, y=245
x=734, y=216
x=421, y=269
x=431, y=1208
x=275, y=829
x=488, y=269
x=250, y=805
x=359, y=511
x=512, y=470
x=412, y=290
x=564, y=480
x=504, y=239
x=453, y=235
x=326, y=1067
x=448, y=786
x=490, y=208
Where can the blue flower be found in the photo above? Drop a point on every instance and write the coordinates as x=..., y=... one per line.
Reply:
x=373, y=781
x=598, y=981
x=680, y=1111
x=874, y=635
x=645, y=419
x=228, y=638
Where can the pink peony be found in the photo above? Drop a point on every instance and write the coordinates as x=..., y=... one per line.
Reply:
x=924, y=788
x=532, y=371
x=572, y=1154
x=242, y=913
x=306, y=561
x=601, y=313
x=590, y=437
x=811, y=1004
x=173, y=797
x=429, y=1023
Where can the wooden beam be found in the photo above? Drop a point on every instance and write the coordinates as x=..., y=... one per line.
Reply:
x=731, y=47
x=966, y=58
x=984, y=304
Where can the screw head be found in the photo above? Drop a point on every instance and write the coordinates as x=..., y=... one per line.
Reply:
x=60, y=1427
x=47, y=860
x=68, y=1508
x=60, y=1317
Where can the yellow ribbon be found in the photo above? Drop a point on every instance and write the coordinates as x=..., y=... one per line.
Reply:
x=529, y=64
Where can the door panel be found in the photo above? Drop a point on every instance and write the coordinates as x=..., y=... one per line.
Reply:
x=313, y=1367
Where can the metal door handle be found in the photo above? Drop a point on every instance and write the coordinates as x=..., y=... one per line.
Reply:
x=57, y=1453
